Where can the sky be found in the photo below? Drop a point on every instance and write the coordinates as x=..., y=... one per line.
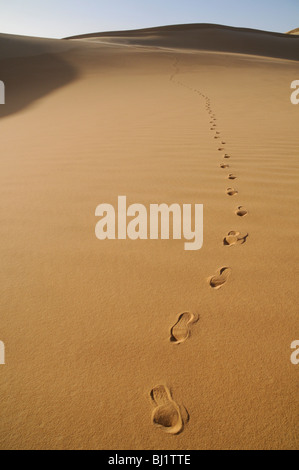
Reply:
x=61, y=18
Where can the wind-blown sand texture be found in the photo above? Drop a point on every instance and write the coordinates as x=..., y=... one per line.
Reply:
x=89, y=326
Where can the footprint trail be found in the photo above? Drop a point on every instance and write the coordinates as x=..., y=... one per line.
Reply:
x=167, y=414
x=234, y=238
x=218, y=281
x=181, y=331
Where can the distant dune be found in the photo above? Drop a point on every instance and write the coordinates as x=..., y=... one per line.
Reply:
x=294, y=31
x=207, y=37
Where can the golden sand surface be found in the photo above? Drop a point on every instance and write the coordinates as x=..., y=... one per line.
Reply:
x=123, y=344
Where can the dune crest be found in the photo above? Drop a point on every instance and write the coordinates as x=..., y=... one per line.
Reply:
x=206, y=37
x=294, y=31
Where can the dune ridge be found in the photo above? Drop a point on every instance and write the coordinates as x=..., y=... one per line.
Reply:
x=207, y=37
x=294, y=31
x=177, y=28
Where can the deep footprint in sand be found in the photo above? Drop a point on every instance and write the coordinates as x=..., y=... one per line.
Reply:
x=181, y=331
x=224, y=165
x=235, y=238
x=231, y=192
x=241, y=211
x=226, y=156
x=217, y=281
x=167, y=414
x=232, y=177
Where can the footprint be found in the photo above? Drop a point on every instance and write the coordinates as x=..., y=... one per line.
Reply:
x=224, y=165
x=231, y=192
x=232, y=177
x=234, y=238
x=226, y=155
x=223, y=143
x=220, y=149
x=167, y=414
x=241, y=211
x=180, y=332
x=220, y=279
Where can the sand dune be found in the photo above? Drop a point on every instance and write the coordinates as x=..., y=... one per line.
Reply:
x=207, y=37
x=294, y=31
x=125, y=344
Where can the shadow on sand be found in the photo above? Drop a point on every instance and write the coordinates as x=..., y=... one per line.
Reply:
x=27, y=79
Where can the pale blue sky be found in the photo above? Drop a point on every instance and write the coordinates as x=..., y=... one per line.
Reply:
x=60, y=18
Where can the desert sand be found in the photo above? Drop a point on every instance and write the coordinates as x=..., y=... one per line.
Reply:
x=139, y=344
x=294, y=31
